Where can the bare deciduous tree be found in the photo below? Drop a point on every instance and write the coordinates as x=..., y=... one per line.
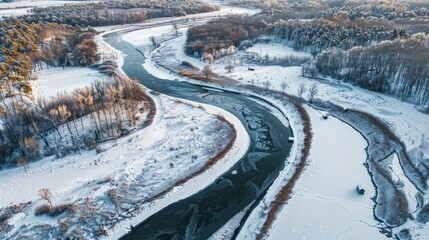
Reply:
x=301, y=89
x=229, y=67
x=153, y=40
x=207, y=71
x=267, y=84
x=22, y=163
x=312, y=91
x=312, y=70
x=284, y=85
x=46, y=194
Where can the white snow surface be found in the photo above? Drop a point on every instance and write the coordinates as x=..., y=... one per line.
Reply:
x=403, y=118
x=325, y=204
x=276, y=50
x=147, y=153
x=192, y=19
x=36, y=3
x=142, y=37
x=408, y=188
x=13, y=12
x=52, y=81
x=18, y=8
x=68, y=178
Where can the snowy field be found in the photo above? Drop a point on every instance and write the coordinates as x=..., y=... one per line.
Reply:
x=353, y=213
x=191, y=19
x=52, y=81
x=276, y=50
x=325, y=204
x=403, y=118
x=13, y=12
x=142, y=37
x=182, y=138
x=18, y=8
x=179, y=142
x=36, y=3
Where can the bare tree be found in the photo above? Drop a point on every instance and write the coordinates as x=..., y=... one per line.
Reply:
x=301, y=89
x=112, y=92
x=312, y=70
x=267, y=84
x=31, y=146
x=207, y=71
x=64, y=114
x=100, y=91
x=304, y=69
x=45, y=193
x=229, y=67
x=153, y=40
x=284, y=85
x=176, y=28
x=22, y=163
x=312, y=92
x=267, y=58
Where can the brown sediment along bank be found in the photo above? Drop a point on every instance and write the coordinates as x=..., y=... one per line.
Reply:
x=210, y=163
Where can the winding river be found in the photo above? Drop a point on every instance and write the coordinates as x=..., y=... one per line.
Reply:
x=202, y=214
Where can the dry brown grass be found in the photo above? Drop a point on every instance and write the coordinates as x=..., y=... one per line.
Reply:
x=46, y=209
x=187, y=73
x=286, y=191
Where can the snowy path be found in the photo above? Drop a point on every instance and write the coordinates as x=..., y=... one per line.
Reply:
x=325, y=204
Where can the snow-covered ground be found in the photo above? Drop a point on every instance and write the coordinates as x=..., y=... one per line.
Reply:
x=191, y=19
x=142, y=37
x=403, y=118
x=18, y=8
x=354, y=213
x=52, y=81
x=13, y=12
x=179, y=142
x=276, y=50
x=182, y=138
x=36, y=3
x=325, y=204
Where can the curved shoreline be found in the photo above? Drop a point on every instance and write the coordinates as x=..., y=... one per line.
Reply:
x=297, y=168
x=183, y=188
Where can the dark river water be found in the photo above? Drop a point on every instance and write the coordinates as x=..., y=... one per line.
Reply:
x=202, y=214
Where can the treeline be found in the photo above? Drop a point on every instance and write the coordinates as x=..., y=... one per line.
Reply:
x=71, y=122
x=312, y=36
x=337, y=31
x=397, y=67
x=116, y=12
x=25, y=47
x=276, y=6
x=222, y=33
x=382, y=9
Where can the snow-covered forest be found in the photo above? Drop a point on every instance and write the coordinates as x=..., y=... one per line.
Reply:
x=114, y=12
x=368, y=45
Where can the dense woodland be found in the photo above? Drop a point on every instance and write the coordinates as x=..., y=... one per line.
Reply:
x=60, y=36
x=114, y=12
x=363, y=44
x=27, y=47
x=397, y=67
